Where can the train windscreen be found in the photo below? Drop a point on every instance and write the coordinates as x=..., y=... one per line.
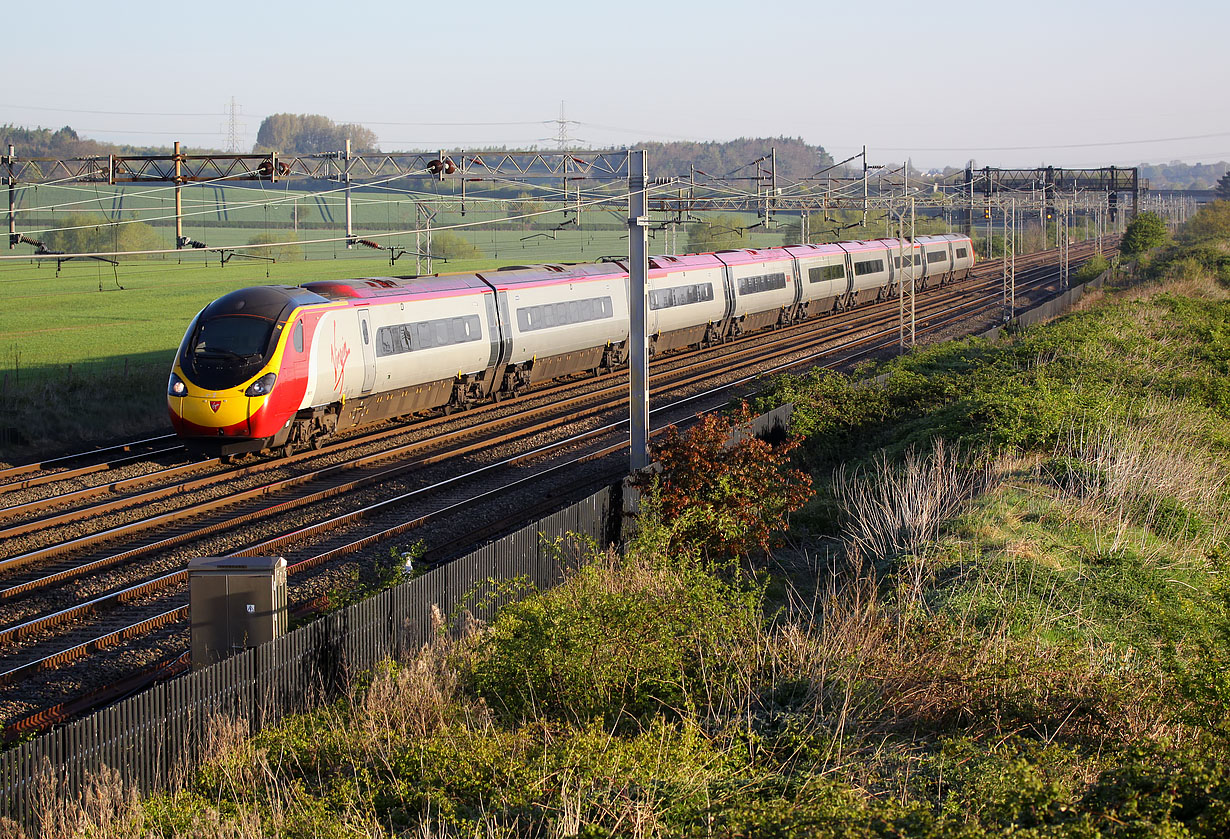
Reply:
x=224, y=351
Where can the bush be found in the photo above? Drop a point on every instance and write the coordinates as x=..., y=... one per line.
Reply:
x=449, y=245
x=621, y=638
x=1210, y=224
x=1144, y=233
x=1091, y=270
x=725, y=496
x=280, y=252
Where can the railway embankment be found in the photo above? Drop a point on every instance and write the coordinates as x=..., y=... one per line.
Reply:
x=1001, y=608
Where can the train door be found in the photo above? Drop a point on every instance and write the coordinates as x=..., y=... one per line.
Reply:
x=369, y=350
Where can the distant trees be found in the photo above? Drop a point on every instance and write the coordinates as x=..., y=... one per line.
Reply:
x=1143, y=233
x=1222, y=190
x=795, y=158
x=1179, y=175
x=311, y=134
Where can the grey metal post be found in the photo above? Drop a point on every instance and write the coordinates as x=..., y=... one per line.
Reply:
x=1004, y=261
x=864, y=186
x=638, y=305
x=12, y=201
x=913, y=297
x=179, y=201
x=1012, y=265
x=349, y=209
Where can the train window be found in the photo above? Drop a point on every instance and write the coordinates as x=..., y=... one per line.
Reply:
x=297, y=336
x=962, y=253
x=665, y=298
x=366, y=336
x=426, y=334
x=936, y=256
x=826, y=272
x=868, y=266
x=548, y=315
x=761, y=282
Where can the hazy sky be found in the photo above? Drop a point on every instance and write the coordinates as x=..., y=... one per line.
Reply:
x=1063, y=83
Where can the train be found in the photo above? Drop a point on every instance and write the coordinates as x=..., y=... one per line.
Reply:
x=284, y=368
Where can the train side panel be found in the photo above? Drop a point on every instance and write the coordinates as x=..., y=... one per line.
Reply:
x=869, y=266
x=822, y=277
x=687, y=301
x=563, y=320
x=764, y=285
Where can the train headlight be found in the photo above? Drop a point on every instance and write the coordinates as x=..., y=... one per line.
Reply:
x=176, y=386
x=262, y=386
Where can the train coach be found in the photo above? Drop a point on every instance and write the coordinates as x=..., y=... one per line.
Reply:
x=287, y=367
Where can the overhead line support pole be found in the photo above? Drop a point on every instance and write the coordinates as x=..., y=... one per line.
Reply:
x=638, y=305
x=12, y=200
x=349, y=208
x=179, y=198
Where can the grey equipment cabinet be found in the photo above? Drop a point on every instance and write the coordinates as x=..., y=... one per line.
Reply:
x=235, y=603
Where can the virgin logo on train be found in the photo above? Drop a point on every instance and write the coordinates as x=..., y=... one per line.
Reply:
x=339, y=357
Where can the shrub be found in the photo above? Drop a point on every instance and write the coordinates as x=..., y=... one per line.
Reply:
x=1211, y=223
x=449, y=245
x=1143, y=233
x=725, y=496
x=281, y=252
x=621, y=638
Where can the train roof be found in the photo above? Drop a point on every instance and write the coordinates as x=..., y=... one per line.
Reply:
x=522, y=276
x=662, y=264
x=941, y=237
x=745, y=256
x=804, y=251
x=860, y=247
x=365, y=288
x=270, y=302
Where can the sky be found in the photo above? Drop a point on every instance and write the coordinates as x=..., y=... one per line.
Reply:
x=1070, y=84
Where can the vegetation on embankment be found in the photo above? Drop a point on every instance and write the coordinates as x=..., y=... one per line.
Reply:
x=1021, y=627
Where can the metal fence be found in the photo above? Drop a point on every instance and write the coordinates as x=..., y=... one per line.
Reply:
x=159, y=735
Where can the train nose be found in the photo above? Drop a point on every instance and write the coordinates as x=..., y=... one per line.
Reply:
x=216, y=411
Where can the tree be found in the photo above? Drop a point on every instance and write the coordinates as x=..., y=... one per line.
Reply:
x=1222, y=190
x=282, y=252
x=724, y=232
x=311, y=134
x=1211, y=223
x=1144, y=233
x=449, y=245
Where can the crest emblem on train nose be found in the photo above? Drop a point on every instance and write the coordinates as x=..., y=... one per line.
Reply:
x=214, y=405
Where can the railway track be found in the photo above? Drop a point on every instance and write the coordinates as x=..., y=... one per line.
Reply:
x=70, y=609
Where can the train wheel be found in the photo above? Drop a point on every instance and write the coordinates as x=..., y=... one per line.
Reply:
x=288, y=449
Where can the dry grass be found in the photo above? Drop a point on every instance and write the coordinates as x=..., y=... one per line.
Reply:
x=1132, y=473
x=892, y=513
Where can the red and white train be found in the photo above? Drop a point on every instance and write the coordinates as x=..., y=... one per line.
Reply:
x=282, y=367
